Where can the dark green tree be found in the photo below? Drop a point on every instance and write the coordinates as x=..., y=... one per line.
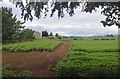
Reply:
x=10, y=26
x=45, y=34
x=51, y=34
x=109, y=9
x=26, y=34
x=56, y=35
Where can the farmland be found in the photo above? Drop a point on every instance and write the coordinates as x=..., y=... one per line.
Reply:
x=36, y=45
x=36, y=62
x=60, y=38
x=90, y=58
x=83, y=58
x=94, y=45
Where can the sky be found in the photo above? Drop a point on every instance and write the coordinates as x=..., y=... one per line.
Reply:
x=81, y=24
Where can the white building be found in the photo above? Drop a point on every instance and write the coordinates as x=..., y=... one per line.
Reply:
x=37, y=35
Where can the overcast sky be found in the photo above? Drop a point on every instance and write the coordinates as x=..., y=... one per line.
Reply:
x=81, y=24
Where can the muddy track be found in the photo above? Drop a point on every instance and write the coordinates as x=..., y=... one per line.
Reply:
x=36, y=62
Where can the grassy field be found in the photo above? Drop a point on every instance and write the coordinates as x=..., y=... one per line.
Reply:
x=36, y=45
x=90, y=58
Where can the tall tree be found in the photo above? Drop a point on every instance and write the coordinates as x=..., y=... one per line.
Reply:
x=10, y=26
x=26, y=34
x=45, y=34
x=51, y=34
x=57, y=35
x=12, y=29
x=109, y=9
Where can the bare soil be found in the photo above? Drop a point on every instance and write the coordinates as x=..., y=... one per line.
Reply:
x=36, y=62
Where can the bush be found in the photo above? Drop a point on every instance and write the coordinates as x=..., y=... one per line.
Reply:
x=105, y=39
x=112, y=39
x=95, y=39
x=74, y=38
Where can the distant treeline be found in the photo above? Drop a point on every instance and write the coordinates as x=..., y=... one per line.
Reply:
x=104, y=39
x=46, y=34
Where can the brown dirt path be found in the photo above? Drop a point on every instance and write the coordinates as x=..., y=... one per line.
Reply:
x=36, y=62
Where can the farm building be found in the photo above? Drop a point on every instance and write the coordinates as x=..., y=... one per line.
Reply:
x=37, y=35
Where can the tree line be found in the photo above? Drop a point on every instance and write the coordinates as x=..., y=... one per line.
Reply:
x=14, y=31
x=46, y=34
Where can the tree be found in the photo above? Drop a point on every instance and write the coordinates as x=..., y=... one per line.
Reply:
x=10, y=26
x=110, y=9
x=45, y=34
x=111, y=35
x=56, y=35
x=51, y=34
x=26, y=34
x=12, y=29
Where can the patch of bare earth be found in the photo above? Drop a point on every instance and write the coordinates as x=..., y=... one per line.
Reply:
x=36, y=62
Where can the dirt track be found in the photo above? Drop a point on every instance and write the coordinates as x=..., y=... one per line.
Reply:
x=36, y=62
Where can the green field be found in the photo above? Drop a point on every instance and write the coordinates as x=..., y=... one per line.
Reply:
x=85, y=58
x=36, y=45
x=90, y=58
x=94, y=45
